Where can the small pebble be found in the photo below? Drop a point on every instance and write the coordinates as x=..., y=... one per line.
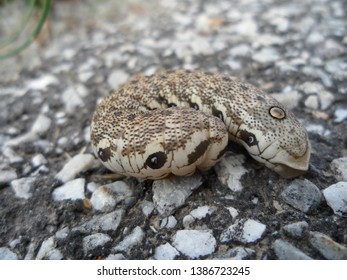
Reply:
x=230, y=170
x=296, y=230
x=330, y=249
x=22, y=187
x=42, y=82
x=79, y=163
x=238, y=253
x=339, y=167
x=74, y=98
x=38, y=160
x=48, y=251
x=71, y=190
x=244, y=231
x=147, y=207
x=165, y=252
x=169, y=194
x=302, y=195
x=63, y=233
x=7, y=254
x=336, y=197
x=99, y=223
x=117, y=78
x=194, y=243
x=102, y=199
x=340, y=115
x=233, y=212
x=115, y=257
x=133, y=239
x=168, y=222
x=286, y=251
x=196, y=214
x=10, y=154
x=7, y=176
x=92, y=241
x=266, y=56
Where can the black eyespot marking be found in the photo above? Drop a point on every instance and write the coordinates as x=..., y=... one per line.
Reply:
x=249, y=138
x=217, y=113
x=156, y=160
x=277, y=113
x=194, y=105
x=104, y=154
x=172, y=105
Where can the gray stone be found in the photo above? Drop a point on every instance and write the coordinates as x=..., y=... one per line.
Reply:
x=340, y=115
x=92, y=241
x=7, y=254
x=339, y=167
x=165, y=252
x=169, y=194
x=131, y=240
x=286, y=251
x=194, y=243
x=71, y=190
x=336, y=197
x=296, y=229
x=48, y=251
x=101, y=223
x=79, y=163
x=22, y=187
x=238, y=253
x=7, y=176
x=244, y=231
x=330, y=249
x=302, y=195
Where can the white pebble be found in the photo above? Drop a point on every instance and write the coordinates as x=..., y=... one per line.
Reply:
x=244, y=231
x=168, y=222
x=102, y=199
x=131, y=240
x=312, y=102
x=73, y=98
x=48, y=251
x=266, y=56
x=290, y=99
x=165, y=252
x=11, y=155
x=238, y=253
x=43, y=82
x=107, y=222
x=339, y=167
x=194, y=243
x=117, y=78
x=233, y=212
x=63, y=233
x=169, y=194
x=230, y=170
x=197, y=214
x=330, y=249
x=340, y=115
x=38, y=160
x=41, y=125
x=22, y=187
x=286, y=251
x=147, y=207
x=7, y=176
x=92, y=241
x=7, y=254
x=77, y=164
x=336, y=197
x=296, y=229
x=71, y=190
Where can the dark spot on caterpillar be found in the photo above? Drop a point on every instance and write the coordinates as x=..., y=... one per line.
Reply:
x=198, y=152
x=167, y=112
x=248, y=137
x=104, y=154
x=225, y=78
x=194, y=105
x=172, y=105
x=156, y=160
x=133, y=82
x=217, y=113
x=243, y=87
x=131, y=116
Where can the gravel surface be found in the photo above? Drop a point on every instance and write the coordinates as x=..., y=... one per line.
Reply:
x=58, y=202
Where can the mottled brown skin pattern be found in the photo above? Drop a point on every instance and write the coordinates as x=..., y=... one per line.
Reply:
x=136, y=121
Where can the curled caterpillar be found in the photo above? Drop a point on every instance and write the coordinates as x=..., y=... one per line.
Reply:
x=174, y=122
